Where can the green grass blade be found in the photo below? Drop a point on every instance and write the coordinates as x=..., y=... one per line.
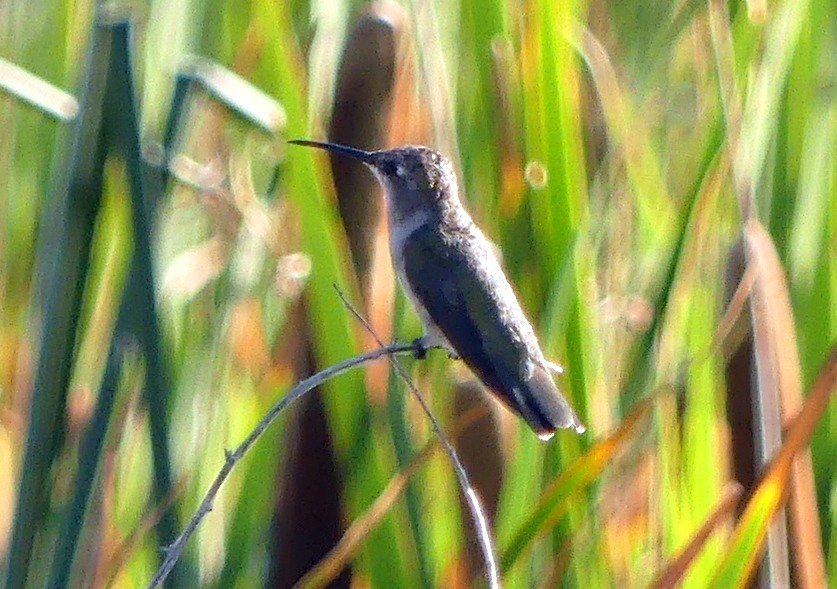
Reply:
x=346, y=405
x=555, y=501
x=77, y=198
x=90, y=453
x=122, y=132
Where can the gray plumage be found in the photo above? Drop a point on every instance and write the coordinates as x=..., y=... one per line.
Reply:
x=464, y=300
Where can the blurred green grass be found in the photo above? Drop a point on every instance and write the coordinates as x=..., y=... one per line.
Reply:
x=612, y=150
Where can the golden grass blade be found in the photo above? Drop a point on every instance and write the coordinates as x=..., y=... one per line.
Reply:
x=341, y=555
x=673, y=573
x=773, y=316
x=742, y=556
x=554, y=501
x=773, y=319
x=731, y=328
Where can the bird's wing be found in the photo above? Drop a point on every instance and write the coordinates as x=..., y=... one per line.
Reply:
x=458, y=297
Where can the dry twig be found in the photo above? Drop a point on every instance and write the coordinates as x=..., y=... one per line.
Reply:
x=174, y=551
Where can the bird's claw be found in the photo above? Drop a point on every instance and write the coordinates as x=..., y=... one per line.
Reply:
x=421, y=347
x=422, y=344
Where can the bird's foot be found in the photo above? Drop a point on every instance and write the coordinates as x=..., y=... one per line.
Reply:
x=420, y=345
x=425, y=342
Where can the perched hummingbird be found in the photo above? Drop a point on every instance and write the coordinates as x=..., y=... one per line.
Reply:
x=449, y=273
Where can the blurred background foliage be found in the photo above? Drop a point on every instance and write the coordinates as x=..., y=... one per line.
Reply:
x=659, y=177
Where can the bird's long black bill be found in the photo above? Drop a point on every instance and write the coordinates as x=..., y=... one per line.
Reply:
x=351, y=152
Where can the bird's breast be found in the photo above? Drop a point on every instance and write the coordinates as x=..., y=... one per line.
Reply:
x=400, y=230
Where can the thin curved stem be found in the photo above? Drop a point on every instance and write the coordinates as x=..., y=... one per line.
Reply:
x=474, y=505
x=175, y=550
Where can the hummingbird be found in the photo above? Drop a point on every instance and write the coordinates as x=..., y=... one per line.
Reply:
x=454, y=281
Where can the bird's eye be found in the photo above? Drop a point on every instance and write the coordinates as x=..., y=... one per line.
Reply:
x=400, y=171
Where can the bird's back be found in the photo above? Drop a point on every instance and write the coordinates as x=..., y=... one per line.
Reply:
x=459, y=285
